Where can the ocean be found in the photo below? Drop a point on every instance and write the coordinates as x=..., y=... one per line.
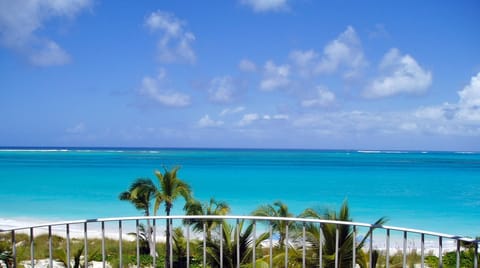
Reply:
x=434, y=191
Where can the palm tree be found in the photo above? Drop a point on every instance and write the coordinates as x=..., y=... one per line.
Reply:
x=171, y=187
x=179, y=247
x=140, y=194
x=278, y=209
x=213, y=207
x=229, y=246
x=144, y=246
x=345, y=237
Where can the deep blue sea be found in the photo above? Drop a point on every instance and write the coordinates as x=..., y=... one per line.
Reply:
x=436, y=191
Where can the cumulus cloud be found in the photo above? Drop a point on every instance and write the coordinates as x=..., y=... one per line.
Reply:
x=324, y=98
x=223, y=89
x=175, y=44
x=235, y=110
x=49, y=54
x=247, y=66
x=344, y=54
x=206, y=121
x=154, y=88
x=266, y=5
x=275, y=76
x=346, y=50
x=470, y=95
x=461, y=118
x=21, y=20
x=403, y=75
x=304, y=60
x=248, y=119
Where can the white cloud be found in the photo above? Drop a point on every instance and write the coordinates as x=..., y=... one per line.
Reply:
x=50, y=54
x=235, y=110
x=461, y=118
x=431, y=113
x=345, y=51
x=223, y=90
x=175, y=45
x=470, y=95
x=247, y=119
x=21, y=20
x=275, y=77
x=206, y=121
x=304, y=60
x=266, y=5
x=153, y=88
x=403, y=76
x=247, y=66
x=324, y=98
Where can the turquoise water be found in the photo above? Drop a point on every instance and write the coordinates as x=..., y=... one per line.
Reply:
x=436, y=191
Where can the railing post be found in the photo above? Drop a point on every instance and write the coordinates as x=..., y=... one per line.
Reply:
x=104, y=255
x=204, y=245
x=304, y=247
x=188, y=246
x=154, y=223
x=458, y=253
x=85, y=250
x=14, y=249
x=32, y=249
x=270, y=253
x=221, y=245
x=404, y=261
x=237, y=233
x=320, y=246
x=354, y=247
x=50, y=250
x=475, y=255
x=422, y=250
x=336, y=245
x=120, y=255
x=68, y=245
x=440, y=252
x=254, y=244
x=387, y=250
x=286, y=245
x=371, y=247
x=170, y=252
x=137, y=240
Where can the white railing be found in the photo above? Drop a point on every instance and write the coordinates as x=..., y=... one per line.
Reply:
x=299, y=240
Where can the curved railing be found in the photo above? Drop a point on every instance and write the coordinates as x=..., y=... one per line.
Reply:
x=373, y=239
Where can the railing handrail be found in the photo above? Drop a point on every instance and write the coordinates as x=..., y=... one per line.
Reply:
x=255, y=218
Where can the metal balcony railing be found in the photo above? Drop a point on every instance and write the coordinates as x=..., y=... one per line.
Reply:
x=301, y=247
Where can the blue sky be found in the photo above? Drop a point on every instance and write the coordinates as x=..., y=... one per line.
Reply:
x=241, y=73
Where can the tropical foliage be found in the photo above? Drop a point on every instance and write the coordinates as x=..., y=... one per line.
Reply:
x=223, y=247
x=278, y=209
x=171, y=188
x=140, y=193
x=212, y=208
x=346, y=237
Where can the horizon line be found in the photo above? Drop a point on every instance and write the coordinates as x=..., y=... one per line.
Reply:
x=132, y=148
